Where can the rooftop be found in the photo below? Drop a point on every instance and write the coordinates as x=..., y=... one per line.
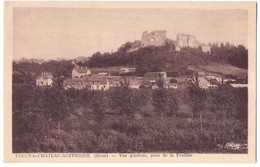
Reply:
x=45, y=75
x=81, y=69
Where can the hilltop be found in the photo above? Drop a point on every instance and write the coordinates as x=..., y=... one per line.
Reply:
x=163, y=59
x=156, y=52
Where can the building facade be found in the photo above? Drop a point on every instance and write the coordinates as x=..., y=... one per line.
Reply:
x=186, y=40
x=205, y=48
x=45, y=79
x=80, y=72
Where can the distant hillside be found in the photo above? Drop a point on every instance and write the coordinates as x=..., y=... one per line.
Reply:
x=163, y=59
x=224, y=59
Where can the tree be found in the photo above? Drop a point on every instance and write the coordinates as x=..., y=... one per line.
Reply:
x=172, y=102
x=99, y=104
x=165, y=102
x=124, y=83
x=226, y=100
x=21, y=98
x=197, y=97
x=125, y=47
x=126, y=100
x=160, y=81
x=56, y=102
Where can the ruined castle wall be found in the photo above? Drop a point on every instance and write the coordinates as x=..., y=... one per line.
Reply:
x=155, y=38
x=185, y=40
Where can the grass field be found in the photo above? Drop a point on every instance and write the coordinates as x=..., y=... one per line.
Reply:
x=224, y=69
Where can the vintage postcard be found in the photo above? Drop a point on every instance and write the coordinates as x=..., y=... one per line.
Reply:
x=130, y=82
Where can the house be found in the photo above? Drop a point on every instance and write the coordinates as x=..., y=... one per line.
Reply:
x=76, y=83
x=229, y=81
x=114, y=81
x=201, y=73
x=90, y=83
x=190, y=67
x=126, y=70
x=135, y=83
x=98, y=83
x=212, y=77
x=205, y=48
x=171, y=85
x=204, y=83
x=155, y=86
x=102, y=74
x=45, y=79
x=153, y=76
x=178, y=47
x=239, y=85
x=80, y=72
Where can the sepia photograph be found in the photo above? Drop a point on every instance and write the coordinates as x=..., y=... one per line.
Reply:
x=106, y=79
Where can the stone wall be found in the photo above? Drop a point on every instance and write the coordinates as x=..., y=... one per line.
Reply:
x=185, y=40
x=155, y=38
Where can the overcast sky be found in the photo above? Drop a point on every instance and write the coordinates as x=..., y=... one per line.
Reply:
x=68, y=33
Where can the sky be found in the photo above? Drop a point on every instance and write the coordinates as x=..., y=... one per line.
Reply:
x=51, y=33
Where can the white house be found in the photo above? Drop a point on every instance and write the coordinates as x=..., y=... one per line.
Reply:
x=45, y=79
x=80, y=72
x=126, y=70
x=171, y=85
x=98, y=83
x=102, y=74
x=239, y=85
x=205, y=48
x=90, y=83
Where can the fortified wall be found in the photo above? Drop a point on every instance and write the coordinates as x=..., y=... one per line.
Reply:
x=185, y=40
x=158, y=38
x=155, y=38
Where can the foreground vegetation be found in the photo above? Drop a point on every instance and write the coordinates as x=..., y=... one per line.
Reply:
x=127, y=120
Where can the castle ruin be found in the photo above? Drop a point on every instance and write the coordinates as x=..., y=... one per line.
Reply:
x=158, y=38
x=155, y=38
x=185, y=40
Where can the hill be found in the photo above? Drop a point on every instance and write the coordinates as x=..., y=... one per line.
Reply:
x=162, y=59
x=226, y=60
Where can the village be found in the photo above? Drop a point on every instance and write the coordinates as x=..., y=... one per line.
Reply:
x=83, y=77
